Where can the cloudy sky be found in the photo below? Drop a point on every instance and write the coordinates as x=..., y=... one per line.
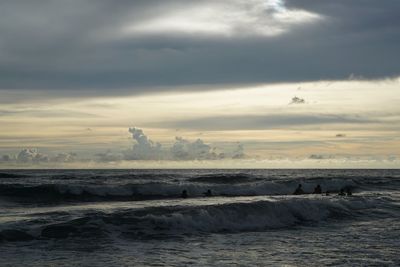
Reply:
x=182, y=83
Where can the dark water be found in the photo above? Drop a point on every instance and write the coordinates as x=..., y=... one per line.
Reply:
x=137, y=218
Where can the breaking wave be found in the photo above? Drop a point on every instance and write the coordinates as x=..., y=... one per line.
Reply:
x=86, y=186
x=156, y=190
x=176, y=220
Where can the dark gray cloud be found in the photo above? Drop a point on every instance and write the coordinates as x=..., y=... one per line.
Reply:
x=260, y=122
x=297, y=100
x=75, y=45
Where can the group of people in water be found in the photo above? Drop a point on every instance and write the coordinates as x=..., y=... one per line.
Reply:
x=299, y=191
x=318, y=190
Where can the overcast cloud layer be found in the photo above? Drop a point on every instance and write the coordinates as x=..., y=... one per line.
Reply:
x=138, y=46
x=262, y=122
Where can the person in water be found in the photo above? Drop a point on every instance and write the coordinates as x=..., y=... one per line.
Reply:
x=317, y=190
x=208, y=193
x=348, y=191
x=184, y=194
x=341, y=193
x=298, y=191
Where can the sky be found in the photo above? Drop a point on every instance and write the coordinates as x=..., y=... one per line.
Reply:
x=199, y=84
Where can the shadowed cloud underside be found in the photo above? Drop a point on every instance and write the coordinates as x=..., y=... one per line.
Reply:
x=141, y=46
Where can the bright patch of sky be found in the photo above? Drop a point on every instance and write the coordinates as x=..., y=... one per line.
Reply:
x=224, y=18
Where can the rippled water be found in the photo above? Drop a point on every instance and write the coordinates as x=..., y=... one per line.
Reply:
x=137, y=218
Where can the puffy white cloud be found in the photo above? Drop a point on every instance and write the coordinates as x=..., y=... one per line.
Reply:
x=182, y=149
x=186, y=150
x=31, y=155
x=144, y=148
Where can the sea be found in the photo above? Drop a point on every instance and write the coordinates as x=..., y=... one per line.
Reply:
x=251, y=218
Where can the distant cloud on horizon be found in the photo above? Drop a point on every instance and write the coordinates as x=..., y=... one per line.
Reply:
x=33, y=156
x=182, y=149
x=142, y=149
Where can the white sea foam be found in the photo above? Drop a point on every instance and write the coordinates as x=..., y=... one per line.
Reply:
x=236, y=217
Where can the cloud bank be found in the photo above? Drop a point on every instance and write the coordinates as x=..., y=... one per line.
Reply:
x=181, y=149
x=143, y=149
x=33, y=156
x=129, y=47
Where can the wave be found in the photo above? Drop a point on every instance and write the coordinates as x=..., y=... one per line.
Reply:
x=177, y=220
x=223, y=178
x=156, y=190
x=59, y=186
x=12, y=175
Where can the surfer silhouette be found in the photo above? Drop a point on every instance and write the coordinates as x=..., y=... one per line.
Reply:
x=341, y=193
x=348, y=191
x=208, y=193
x=299, y=190
x=184, y=194
x=317, y=190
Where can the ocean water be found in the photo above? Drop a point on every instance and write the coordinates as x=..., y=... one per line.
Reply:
x=138, y=218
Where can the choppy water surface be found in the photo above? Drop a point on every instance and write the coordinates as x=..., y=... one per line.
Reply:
x=137, y=218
